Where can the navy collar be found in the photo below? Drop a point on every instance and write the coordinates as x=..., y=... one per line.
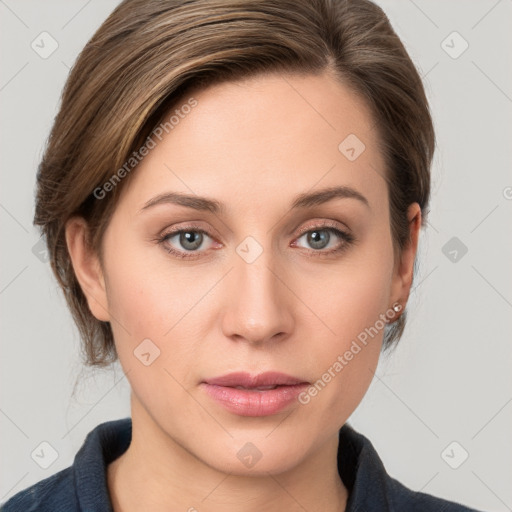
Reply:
x=362, y=472
x=102, y=445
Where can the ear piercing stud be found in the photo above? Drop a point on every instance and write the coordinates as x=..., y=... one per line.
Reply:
x=397, y=307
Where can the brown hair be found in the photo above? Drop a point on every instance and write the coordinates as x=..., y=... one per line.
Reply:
x=145, y=57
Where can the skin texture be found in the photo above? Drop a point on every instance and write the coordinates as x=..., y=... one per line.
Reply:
x=252, y=145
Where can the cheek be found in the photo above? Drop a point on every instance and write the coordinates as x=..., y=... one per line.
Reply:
x=142, y=301
x=350, y=296
x=152, y=297
x=137, y=301
x=148, y=303
x=352, y=303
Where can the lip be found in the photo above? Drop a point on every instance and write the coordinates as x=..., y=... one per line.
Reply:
x=253, y=381
x=250, y=401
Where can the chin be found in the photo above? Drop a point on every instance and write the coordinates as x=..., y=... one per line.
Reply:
x=256, y=456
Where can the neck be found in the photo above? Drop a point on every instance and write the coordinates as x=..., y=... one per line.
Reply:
x=156, y=472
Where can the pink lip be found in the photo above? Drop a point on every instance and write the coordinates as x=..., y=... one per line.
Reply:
x=252, y=402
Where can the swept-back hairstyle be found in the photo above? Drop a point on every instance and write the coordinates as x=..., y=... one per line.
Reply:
x=144, y=58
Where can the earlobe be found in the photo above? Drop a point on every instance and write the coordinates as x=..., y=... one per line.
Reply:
x=87, y=268
x=404, y=271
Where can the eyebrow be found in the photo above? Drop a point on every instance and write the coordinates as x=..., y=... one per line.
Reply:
x=302, y=201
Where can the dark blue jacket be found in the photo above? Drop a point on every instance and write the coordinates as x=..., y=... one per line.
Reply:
x=83, y=486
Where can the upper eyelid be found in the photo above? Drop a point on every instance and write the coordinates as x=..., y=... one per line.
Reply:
x=326, y=224
x=187, y=227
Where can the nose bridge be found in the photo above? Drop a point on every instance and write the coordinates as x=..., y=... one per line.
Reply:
x=258, y=308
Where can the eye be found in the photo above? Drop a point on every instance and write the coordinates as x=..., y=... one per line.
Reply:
x=189, y=240
x=325, y=236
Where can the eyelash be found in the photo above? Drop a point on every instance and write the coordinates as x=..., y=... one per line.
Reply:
x=347, y=240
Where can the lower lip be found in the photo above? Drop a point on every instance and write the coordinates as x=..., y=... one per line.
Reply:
x=254, y=403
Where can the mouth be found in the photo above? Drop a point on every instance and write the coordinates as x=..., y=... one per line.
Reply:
x=260, y=395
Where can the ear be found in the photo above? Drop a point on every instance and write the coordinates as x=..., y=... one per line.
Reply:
x=404, y=267
x=86, y=265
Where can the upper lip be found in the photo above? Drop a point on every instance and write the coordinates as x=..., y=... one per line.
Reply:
x=247, y=380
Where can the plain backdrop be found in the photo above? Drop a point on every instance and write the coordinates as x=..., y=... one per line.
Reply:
x=444, y=394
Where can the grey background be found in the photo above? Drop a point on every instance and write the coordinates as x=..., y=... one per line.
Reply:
x=450, y=378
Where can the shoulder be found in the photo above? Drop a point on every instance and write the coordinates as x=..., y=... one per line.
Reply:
x=55, y=494
x=403, y=498
x=372, y=488
x=83, y=485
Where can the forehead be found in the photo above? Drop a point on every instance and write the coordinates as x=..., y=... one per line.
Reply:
x=261, y=139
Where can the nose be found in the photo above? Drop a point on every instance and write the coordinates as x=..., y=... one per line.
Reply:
x=259, y=305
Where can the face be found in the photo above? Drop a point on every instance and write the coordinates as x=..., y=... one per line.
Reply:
x=267, y=282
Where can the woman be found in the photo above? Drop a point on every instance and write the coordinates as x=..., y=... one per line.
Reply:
x=232, y=196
